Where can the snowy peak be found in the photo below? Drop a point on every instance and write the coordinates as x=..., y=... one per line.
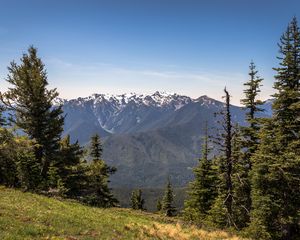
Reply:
x=157, y=99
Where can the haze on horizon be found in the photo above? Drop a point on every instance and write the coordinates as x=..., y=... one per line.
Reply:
x=191, y=47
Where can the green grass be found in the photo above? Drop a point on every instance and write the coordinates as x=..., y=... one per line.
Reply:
x=31, y=216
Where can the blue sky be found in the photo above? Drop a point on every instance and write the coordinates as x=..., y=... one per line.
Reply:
x=116, y=46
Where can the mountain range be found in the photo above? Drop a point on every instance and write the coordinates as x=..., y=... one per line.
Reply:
x=147, y=137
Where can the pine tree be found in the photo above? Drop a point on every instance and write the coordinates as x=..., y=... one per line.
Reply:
x=18, y=167
x=252, y=106
x=158, y=205
x=98, y=177
x=27, y=168
x=96, y=148
x=202, y=190
x=63, y=173
x=221, y=213
x=287, y=83
x=167, y=201
x=8, y=167
x=2, y=119
x=276, y=164
x=32, y=103
x=137, y=201
x=245, y=144
x=241, y=181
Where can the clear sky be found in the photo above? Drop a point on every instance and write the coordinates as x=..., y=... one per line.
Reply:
x=191, y=47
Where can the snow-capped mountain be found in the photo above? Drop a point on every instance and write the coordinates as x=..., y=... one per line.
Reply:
x=147, y=137
x=144, y=133
x=126, y=113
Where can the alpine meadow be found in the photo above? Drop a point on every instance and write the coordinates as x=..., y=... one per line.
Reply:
x=132, y=159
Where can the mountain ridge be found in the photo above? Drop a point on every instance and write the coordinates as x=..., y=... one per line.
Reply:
x=147, y=137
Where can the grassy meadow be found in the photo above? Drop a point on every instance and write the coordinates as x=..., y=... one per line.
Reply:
x=31, y=216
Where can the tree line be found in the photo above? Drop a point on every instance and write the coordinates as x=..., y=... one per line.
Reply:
x=252, y=184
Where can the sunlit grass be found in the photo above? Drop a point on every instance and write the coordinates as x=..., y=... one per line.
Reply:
x=30, y=216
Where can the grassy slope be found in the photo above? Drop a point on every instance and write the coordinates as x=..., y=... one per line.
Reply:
x=30, y=216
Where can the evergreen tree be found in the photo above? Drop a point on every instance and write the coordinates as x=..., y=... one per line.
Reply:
x=245, y=144
x=99, y=194
x=18, y=167
x=96, y=148
x=2, y=119
x=202, y=191
x=137, y=201
x=276, y=164
x=287, y=83
x=27, y=168
x=221, y=213
x=158, y=205
x=167, y=201
x=252, y=106
x=63, y=173
x=240, y=181
x=8, y=167
x=32, y=103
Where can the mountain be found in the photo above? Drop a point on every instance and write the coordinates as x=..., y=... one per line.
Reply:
x=147, y=137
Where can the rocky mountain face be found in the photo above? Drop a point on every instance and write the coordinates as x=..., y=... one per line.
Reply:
x=147, y=137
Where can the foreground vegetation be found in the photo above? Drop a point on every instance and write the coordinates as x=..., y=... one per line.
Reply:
x=31, y=216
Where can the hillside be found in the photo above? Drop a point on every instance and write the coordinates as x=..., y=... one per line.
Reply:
x=30, y=216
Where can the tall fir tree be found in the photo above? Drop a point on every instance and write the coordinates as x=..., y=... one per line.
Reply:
x=241, y=182
x=137, y=201
x=287, y=83
x=221, y=213
x=246, y=141
x=2, y=119
x=276, y=164
x=99, y=193
x=252, y=106
x=202, y=191
x=167, y=201
x=32, y=103
x=64, y=173
x=96, y=148
x=158, y=205
x=8, y=167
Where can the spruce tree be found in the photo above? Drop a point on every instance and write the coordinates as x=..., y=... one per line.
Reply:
x=167, y=201
x=137, y=201
x=202, y=191
x=241, y=181
x=27, y=168
x=252, y=107
x=64, y=173
x=245, y=144
x=221, y=213
x=2, y=119
x=99, y=194
x=158, y=205
x=8, y=166
x=276, y=164
x=287, y=83
x=32, y=103
x=96, y=148
x=18, y=166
